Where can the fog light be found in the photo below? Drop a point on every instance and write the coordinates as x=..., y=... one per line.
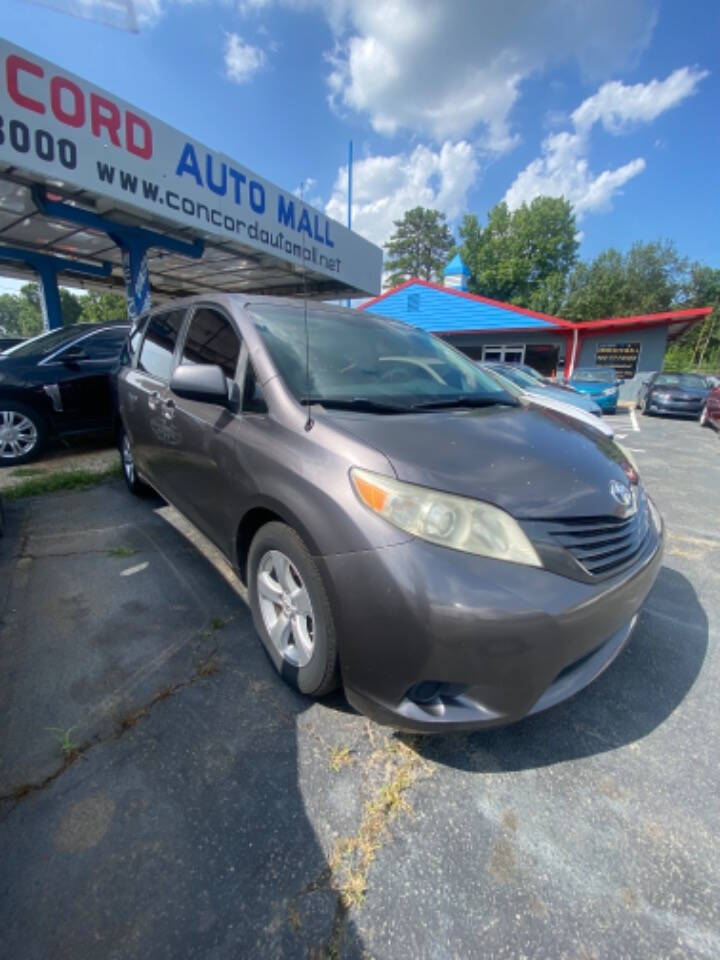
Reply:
x=424, y=692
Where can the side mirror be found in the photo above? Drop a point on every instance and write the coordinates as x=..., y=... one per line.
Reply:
x=74, y=355
x=203, y=382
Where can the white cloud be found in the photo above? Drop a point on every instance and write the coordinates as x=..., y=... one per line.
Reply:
x=445, y=69
x=563, y=171
x=384, y=187
x=242, y=60
x=452, y=69
x=563, y=168
x=617, y=105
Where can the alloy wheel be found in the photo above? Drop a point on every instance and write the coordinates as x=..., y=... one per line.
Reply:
x=18, y=435
x=286, y=608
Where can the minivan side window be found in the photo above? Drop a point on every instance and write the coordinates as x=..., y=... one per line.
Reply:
x=156, y=354
x=211, y=338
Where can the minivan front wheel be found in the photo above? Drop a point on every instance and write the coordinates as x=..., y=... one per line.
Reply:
x=291, y=610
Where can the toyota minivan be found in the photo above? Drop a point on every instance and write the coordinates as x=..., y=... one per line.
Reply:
x=452, y=556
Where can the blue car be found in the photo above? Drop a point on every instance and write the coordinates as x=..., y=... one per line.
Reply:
x=600, y=383
x=515, y=373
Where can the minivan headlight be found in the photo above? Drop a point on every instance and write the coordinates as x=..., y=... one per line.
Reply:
x=456, y=522
x=608, y=391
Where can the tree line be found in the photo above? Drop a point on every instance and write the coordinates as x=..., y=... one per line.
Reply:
x=529, y=257
x=21, y=312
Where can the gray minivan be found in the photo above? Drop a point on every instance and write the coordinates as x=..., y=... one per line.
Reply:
x=405, y=527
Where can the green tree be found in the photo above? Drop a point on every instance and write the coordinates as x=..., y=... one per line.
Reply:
x=71, y=306
x=420, y=246
x=103, y=307
x=21, y=314
x=522, y=256
x=649, y=278
x=699, y=347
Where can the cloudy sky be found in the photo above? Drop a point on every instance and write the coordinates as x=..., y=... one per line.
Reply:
x=453, y=104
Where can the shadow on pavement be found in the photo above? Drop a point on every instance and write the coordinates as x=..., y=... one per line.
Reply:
x=637, y=693
x=183, y=834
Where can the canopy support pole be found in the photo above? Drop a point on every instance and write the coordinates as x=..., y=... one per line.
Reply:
x=134, y=242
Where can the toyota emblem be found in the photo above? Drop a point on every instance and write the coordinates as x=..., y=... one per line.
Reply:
x=621, y=493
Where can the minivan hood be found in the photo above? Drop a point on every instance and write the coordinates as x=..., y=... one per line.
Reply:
x=532, y=464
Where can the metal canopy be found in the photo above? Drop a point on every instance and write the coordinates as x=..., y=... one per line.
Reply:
x=84, y=146
x=224, y=267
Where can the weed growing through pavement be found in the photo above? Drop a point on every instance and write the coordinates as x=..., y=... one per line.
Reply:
x=63, y=737
x=352, y=857
x=121, y=552
x=340, y=757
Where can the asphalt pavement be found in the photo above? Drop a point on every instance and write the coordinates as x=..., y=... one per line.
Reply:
x=202, y=809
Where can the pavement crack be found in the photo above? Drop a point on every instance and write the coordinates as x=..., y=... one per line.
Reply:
x=125, y=723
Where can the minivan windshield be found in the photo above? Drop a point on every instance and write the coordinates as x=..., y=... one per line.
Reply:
x=43, y=343
x=362, y=361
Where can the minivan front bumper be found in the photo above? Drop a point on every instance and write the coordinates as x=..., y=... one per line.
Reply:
x=433, y=640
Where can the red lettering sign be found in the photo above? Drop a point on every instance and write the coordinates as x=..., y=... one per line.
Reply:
x=13, y=67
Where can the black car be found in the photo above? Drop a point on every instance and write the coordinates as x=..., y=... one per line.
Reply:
x=57, y=384
x=7, y=342
x=677, y=394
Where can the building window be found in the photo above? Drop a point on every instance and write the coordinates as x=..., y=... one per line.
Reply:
x=504, y=353
x=413, y=303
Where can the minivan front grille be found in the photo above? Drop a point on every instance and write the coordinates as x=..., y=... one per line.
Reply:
x=602, y=545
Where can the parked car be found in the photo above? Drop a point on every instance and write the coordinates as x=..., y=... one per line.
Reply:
x=600, y=383
x=531, y=385
x=710, y=416
x=57, y=385
x=675, y=394
x=547, y=402
x=548, y=381
x=7, y=342
x=404, y=526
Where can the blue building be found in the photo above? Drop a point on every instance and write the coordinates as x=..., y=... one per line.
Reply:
x=494, y=331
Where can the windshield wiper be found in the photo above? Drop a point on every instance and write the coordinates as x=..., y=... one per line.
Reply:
x=355, y=403
x=485, y=400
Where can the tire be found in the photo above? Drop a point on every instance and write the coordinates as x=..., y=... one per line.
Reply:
x=135, y=484
x=283, y=583
x=23, y=433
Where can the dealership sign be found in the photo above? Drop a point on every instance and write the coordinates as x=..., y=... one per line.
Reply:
x=622, y=356
x=58, y=126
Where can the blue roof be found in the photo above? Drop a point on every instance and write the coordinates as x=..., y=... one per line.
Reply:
x=456, y=266
x=440, y=309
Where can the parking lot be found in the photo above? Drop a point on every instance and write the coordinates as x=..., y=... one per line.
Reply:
x=200, y=808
